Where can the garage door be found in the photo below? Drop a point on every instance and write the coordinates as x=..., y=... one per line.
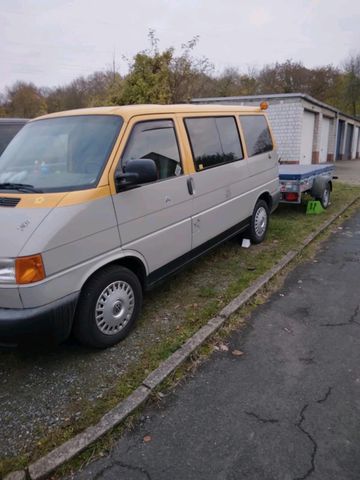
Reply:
x=324, y=143
x=355, y=142
x=348, y=141
x=307, y=138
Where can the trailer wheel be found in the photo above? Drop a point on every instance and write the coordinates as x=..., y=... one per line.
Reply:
x=108, y=307
x=325, y=196
x=259, y=222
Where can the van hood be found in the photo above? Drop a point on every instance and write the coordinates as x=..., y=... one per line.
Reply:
x=18, y=224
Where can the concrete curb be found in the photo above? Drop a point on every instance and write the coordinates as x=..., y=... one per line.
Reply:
x=60, y=455
x=18, y=475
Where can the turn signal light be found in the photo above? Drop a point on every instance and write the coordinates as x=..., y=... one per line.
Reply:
x=264, y=105
x=29, y=269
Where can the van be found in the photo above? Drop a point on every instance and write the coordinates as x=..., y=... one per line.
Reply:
x=98, y=205
x=9, y=127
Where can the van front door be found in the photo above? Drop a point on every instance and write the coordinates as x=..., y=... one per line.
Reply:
x=155, y=218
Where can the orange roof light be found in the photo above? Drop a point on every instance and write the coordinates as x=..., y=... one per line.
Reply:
x=29, y=269
x=264, y=105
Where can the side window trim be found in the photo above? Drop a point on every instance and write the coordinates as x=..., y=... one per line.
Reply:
x=234, y=117
x=137, y=121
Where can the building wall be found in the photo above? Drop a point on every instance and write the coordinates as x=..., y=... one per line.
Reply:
x=286, y=121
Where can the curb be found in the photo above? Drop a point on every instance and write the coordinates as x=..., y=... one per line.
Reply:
x=45, y=465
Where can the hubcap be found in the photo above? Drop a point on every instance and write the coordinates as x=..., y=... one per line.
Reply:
x=114, y=307
x=260, y=221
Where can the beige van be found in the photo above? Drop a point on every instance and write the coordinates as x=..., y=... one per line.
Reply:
x=98, y=205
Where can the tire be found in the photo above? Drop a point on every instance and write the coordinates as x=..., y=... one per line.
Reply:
x=259, y=222
x=108, y=308
x=325, y=197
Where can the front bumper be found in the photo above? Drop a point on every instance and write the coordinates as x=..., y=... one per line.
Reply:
x=55, y=319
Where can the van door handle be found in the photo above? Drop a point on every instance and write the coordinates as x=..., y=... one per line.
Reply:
x=190, y=185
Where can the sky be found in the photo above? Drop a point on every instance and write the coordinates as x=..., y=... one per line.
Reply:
x=51, y=42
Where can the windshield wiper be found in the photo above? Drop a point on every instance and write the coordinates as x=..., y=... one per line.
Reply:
x=20, y=187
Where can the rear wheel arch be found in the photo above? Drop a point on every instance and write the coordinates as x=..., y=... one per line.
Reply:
x=267, y=198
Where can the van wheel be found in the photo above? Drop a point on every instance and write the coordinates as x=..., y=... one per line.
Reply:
x=259, y=222
x=108, y=307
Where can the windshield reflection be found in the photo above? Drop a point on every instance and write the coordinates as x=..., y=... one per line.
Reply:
x=60, y=154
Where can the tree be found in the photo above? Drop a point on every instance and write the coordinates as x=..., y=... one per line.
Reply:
x=25, y=100
x=189, y=75
x=287, y=77
x=95, y=90
x=148, y=80
x=352, y=84
x=164, y=77
x=325, y=84
x=232, y=83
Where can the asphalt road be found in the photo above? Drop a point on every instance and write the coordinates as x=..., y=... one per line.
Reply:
x=348, y=171
x=288, y=409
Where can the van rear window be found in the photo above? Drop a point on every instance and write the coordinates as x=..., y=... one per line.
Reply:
x=214, y=141
x=257, y=134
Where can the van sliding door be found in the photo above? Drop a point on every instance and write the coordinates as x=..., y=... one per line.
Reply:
x=220, y=180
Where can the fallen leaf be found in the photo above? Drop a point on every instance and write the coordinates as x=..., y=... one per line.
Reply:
x=147, y=438
x=237, y=353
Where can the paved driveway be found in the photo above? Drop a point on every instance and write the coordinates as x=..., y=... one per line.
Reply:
x=288, y=409
x=348, y=171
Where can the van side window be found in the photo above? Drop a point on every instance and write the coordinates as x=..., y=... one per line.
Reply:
x=257, y=134
x=155, y=139
x=214, y=141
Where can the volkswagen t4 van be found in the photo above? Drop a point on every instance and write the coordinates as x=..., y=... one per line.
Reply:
x=97, y=205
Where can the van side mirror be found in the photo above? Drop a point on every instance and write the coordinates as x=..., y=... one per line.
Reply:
x=136, y=172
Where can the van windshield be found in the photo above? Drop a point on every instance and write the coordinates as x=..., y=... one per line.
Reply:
x=60, y=154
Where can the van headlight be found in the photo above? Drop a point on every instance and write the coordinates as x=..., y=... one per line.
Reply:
x=7, y=270
x=22, y=270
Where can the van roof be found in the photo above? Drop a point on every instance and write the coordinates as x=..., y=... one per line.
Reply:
x=128, y=111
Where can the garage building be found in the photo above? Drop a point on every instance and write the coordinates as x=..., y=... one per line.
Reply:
x=306, y=130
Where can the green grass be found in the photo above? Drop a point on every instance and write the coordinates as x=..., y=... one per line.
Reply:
x=189, y=300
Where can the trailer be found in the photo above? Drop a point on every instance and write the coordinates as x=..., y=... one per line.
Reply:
x=295, y=180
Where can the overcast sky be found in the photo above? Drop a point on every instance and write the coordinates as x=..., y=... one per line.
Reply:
x=51, y=42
